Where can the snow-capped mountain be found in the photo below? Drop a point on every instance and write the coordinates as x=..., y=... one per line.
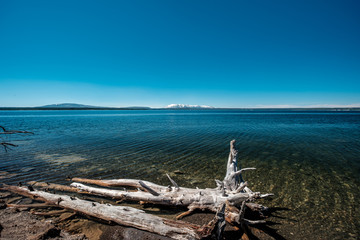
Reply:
x=185, y=106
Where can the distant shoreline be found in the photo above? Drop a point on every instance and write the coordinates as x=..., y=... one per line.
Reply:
x=42, y=108
x=195, y=109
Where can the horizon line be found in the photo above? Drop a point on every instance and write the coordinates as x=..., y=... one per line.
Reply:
x=187, y=108
x=184, y=106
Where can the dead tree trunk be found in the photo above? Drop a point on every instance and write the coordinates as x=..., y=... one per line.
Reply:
x=232, y=191
x=126, y=216
x=230, y=200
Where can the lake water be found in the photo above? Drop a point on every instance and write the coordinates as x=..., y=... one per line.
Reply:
x=309, y=160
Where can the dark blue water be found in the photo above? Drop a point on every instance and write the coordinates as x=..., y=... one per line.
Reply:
x=309, y=160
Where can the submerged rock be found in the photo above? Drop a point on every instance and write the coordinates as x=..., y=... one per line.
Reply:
x=178, y=172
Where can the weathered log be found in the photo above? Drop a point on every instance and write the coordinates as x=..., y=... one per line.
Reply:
x=53, y=186
x=50, y=213
x=169, y=198
x=203, y=198
x=138, y=196
x=232, y=191
x=34, y=205
x=126, y=216
x=230, y=180
x=121, y=183
x=229, y=200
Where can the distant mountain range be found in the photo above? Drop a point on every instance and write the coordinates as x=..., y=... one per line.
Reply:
x=185, y=106
x=82, y=106
x=75, y=106
x=68, y=105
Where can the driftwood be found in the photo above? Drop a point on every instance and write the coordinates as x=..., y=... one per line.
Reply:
x=41, y=205
x=232, y=191
x=229, y=200
x=4, y=131
x=127, y=216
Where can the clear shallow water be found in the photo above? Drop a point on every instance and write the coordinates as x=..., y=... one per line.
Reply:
x=310, y=161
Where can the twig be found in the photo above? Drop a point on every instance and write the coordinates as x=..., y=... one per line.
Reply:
x=173, y=182
x=147, y=188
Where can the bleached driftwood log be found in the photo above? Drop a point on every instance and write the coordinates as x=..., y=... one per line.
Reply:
x=229, y=199
x=127, y=216
x=232, y=191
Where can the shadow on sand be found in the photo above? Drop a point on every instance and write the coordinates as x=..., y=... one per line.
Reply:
x=257, y=232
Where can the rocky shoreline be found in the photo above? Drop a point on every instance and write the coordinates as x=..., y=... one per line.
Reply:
x=26, y=224
x=23, y=223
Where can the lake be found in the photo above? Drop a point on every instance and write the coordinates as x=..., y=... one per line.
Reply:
x=309, y=160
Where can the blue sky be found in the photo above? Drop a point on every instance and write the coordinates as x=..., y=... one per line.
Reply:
x=155, y=53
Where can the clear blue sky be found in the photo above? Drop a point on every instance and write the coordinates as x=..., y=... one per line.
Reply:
x=154, y=53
